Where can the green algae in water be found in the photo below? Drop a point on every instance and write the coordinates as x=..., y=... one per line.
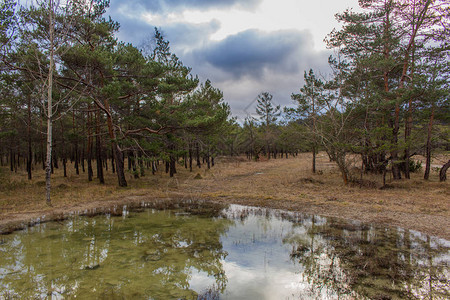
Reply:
x=239, y=253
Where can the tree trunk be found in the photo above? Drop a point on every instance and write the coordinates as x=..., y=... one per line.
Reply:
x=118, y=157
x=314, y=159
x=83, y=156
x=74, y=124
x=89, y=144
x=117, y=152
x=428, y=145
x=141, y=164
x=77, y=167
x=443, y=172
x=408, y=128
x=153, y=167
x=198, y=156
x=172, y=166
x=396, y=170
x=11, y=160
x=190, y=158
x=134, y=164
x=130, y=161
x=30, y=154
x=48, y=167
x=63, y=148
x=112, y=161
x=98, y=150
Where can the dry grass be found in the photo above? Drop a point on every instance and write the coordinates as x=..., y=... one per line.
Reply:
x=279, y=183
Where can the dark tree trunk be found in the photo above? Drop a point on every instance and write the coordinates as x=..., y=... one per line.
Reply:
x=172, y=166
x=30, y=154
x=130, y=161
x=153, y=167
x=11, y=159
x=117, y=153
x=98, y=153
x=408, y=126
x=396, y=171
x=90, y=145
x=83, y=158
x=133, y=157
x=198, y=155
x=89, y=165
x=98, y=150
x=64, y=161
x=74, y=124
x=77, y=167
x=443, y=172
x=314, y=159
x=113, y=168
x=428, y=146
x=55, y=161
x=190, y=158
x=63, y=148
x=141, y=164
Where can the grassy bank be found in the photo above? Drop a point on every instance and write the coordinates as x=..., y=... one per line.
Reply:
x=280, y=183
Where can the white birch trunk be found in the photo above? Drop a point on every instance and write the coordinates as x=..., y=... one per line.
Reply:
x=48, y=165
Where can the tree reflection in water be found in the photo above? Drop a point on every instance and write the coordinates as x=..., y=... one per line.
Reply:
x=147, y=255
x=206, y=251
x=357, y=260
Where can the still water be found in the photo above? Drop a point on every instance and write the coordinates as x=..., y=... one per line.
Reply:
x=207, y=251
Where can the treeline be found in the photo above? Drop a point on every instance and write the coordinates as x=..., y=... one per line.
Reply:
x=71, y=92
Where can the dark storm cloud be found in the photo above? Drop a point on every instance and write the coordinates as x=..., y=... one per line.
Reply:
x=252, y=52
x=253, y=61
x=182, y=36
x=242, y=65
x=159, y=6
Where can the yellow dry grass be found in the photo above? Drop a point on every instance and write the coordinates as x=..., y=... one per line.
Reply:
x=278, y=183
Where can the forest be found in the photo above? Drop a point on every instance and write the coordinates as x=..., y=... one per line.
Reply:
x=72, y=95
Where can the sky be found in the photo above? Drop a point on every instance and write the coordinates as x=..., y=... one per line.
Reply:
x=244, y=47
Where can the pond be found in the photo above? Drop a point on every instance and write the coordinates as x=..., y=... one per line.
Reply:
x=208, y=251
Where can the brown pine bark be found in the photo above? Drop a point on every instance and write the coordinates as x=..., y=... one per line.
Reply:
x=98, y=150
x=117, y=152
x=89, y=144
x=30, y=153
x=426, y=176
x=443, y=172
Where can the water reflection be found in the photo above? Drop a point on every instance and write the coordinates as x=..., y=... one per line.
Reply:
x=212, y=252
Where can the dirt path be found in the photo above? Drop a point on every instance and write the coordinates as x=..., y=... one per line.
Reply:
x=282, y=183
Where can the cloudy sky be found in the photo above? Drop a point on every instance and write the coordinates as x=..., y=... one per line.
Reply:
x=243, y=46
